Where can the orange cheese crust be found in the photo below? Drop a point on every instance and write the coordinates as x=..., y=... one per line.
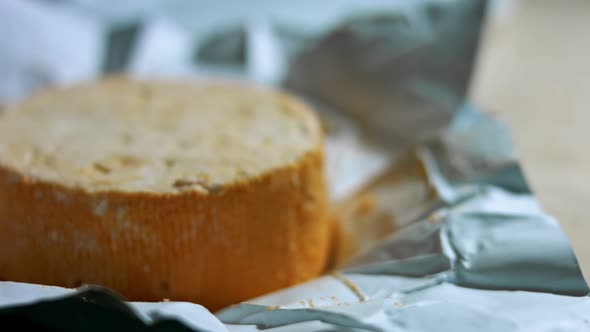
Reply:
x=215, y=249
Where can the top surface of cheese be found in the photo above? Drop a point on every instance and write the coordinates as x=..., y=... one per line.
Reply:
x=128, y=135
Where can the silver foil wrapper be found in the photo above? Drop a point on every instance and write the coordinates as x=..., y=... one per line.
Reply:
x=441, y=231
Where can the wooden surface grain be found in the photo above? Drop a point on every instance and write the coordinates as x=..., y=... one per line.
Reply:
x=534, y=71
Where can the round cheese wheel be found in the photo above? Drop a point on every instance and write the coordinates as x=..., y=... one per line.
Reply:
x=210, y=193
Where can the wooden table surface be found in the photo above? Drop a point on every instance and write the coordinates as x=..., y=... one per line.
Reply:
x=534, y=71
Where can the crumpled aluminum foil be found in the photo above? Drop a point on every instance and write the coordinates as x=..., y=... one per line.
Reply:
x=443, y=231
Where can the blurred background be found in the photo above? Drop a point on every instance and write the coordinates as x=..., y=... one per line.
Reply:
x=533, y=72
x=402, y=68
